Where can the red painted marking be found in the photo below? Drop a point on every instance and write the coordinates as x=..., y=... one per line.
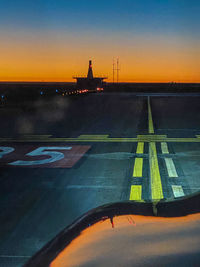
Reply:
x=71, y=157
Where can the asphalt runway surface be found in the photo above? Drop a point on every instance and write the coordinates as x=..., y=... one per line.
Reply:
x=61, y=158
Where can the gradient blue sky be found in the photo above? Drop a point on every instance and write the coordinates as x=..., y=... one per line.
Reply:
x=87, y=22
x=143, y=16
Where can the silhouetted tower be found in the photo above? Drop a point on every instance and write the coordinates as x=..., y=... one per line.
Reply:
x=90, y=72
x=90, y=82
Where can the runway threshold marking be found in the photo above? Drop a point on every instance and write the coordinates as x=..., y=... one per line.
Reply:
x=151, y=127
x=156, y=185
x=170, y=167
x=177, y=191
x=136, y=192
x=138, y=166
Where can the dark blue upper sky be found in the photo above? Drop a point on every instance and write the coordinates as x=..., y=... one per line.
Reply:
x=129, y=16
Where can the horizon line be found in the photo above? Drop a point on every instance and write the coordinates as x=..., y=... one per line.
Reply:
x=110, y=82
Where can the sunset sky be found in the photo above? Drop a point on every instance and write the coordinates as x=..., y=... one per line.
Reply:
x=52, y=40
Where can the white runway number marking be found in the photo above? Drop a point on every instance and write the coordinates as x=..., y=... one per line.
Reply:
x=5, y=150
x=34, y=156
x=40, y=151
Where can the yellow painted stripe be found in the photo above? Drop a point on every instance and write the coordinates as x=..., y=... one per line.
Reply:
x=156, y=185
x=137, y=171
x=105, y=140
x=96, y=136
x=151, y=128
x=136, y=192
x=164, y=148
x=177, y=191
x=140, y=148
x=152, y=136
x=170, y=167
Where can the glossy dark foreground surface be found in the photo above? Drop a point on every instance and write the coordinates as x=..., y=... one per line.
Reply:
x=129, y=234
x=37, y=202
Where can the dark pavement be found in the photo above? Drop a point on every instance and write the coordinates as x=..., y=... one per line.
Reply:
x=38, y=201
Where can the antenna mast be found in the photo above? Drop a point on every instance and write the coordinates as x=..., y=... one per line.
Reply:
x=118, y=69
x=113, y=70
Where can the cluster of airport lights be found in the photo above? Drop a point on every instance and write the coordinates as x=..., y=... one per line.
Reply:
x=3, y=97
x=76, y=92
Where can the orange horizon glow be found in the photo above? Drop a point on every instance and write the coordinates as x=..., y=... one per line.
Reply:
x=57, y=59
x=110, y=82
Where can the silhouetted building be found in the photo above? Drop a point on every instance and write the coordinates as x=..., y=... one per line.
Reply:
x=90, y=82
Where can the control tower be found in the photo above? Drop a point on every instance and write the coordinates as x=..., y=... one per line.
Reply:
x=90, y=82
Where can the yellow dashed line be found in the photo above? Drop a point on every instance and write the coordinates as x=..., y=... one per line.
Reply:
x=151, y=128
x=156, y=185
x=136, y=192
x=140, y=148
x=137, y=171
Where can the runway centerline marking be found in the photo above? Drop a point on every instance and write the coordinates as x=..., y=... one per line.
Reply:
x=150, y=120
x=156, y=185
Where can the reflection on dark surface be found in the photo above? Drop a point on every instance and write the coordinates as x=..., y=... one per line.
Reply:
x=127, y=234
x=153, y=241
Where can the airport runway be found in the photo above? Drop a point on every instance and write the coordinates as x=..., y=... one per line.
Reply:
x=63, y=157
